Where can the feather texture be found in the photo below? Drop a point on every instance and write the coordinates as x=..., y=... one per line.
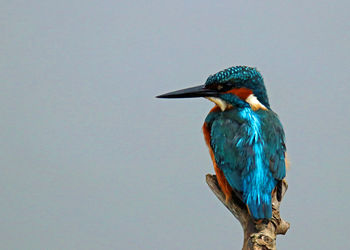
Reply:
x=249, y=149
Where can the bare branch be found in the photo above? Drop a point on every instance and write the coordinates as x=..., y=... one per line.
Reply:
x=257, y=235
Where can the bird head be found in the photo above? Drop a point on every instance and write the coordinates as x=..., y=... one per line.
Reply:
x=235, y=86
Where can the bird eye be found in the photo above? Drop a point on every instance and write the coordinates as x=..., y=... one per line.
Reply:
x=219, y=87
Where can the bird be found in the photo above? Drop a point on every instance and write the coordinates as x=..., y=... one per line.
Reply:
x=245, y=137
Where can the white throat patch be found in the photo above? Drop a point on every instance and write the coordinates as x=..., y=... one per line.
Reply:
x=221, y=103
x=251, y=99
x=254, y=103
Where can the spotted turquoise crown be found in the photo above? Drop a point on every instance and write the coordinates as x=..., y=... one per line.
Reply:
x=241, y=77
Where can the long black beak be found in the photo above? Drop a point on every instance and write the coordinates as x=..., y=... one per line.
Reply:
x=198, y=91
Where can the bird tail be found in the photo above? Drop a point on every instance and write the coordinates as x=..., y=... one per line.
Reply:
x=260, y=208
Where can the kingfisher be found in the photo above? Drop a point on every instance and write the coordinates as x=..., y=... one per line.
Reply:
x=245, y=137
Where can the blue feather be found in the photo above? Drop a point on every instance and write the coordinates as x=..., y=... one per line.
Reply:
x=259, y=182
x=241, y=76
x=245, y=143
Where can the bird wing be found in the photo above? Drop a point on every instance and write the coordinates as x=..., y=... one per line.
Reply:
x=254, y=168
x=274, y=143
x=225, y=131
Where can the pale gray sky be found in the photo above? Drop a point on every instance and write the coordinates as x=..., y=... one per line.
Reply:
x=91, y=160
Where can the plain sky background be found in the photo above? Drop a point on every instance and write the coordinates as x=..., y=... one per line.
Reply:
x=89, y=159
